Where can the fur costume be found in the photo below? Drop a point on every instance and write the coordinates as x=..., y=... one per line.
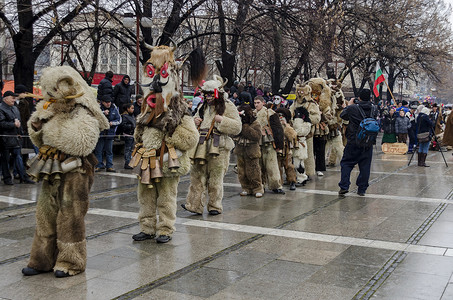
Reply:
x=304, y=99
x=448, y=134
x=248, y=152
x=285, y=159
x=302, y=126
x=334, y=138
x=65, y=126
x=207, y=174
x=165, y=132
x=269, y=163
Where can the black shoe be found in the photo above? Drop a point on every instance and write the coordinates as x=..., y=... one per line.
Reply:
x=9, y=182
x=111, y=170
x=143, y=236
x=98, y=169
x=292, y=186
x=214, y=212
x=127, y=167
x=194, y=212
x=31, y=272
x=163, y=239
x=360, y=194
x=61, y=274
x=27, y=181
x=278, y=191
x=343, y=192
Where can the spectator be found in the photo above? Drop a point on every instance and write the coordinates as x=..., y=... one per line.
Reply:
x=122, y=93
x=10, y=126
x=424, y=126
x=127, y=128
x=235, y=99
x=412, y=130
x=197, y=99
x=105, y=86
x=245, y=97
x=388, y=125
x=138, y=105
x=353, y=154
x=251, y=89
x=259, y=91
x=234, y=88
x=105, y=142
x=402, y=125
x=404, y=106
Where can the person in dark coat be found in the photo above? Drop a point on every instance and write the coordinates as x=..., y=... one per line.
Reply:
x=388, y=125
x=424, y=124
x=105, y=86
x=138, y=105
x=105, y=142
x=122, y=93
x=10, y=125
x=126, y=129
x=353, y=154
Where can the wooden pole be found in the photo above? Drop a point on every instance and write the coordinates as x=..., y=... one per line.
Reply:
x=385, y=81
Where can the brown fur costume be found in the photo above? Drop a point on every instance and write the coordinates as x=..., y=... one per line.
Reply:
x=209, y=176
x=285, y=159
x=248, y=152
x=448, y=134
x=69, y=120
x=164, y=118
x=269, y=164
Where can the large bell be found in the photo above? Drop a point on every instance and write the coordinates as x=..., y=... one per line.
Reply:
x=173, y=164
x=56, y=167
x=46, y=170
x=213, y=150
x=145, y=176
x=32, y=160
x=201, y=153
x=35, y=168
x=156, y=173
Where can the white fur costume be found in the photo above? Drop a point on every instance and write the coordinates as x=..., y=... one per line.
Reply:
x=304, y=99
x=269, y=162
x=209, y=176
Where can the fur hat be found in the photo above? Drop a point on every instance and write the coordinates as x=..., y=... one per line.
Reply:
x=285, y=113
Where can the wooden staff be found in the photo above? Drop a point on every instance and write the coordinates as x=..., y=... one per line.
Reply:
x=385, y=81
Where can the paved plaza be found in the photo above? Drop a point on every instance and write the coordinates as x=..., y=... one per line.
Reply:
x=396, y=242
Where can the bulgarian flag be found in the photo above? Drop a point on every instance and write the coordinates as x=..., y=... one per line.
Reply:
x=378, y=79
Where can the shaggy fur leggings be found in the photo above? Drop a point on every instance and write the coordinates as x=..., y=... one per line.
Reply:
x=59, y=240
x=161, y=198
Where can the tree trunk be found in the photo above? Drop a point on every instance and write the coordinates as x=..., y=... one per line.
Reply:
x=277, y=45
x=24, y=66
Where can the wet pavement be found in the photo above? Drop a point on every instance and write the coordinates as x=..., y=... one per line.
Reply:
x=396, y=242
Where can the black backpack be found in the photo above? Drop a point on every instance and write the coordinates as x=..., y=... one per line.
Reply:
x=368, y=129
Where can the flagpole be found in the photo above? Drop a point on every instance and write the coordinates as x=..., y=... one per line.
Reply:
x=388, y=88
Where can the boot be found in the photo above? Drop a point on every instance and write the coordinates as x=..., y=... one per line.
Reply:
x=424, y=159
x=419, y=156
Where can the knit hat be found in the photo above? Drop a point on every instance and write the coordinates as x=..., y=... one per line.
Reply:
x=106, y=98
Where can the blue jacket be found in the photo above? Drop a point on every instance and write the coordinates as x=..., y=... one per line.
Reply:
x=114, y=118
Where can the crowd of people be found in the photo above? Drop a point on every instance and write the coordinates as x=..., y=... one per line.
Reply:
x=276, y=142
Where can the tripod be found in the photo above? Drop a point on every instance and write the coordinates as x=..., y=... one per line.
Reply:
x=437, y=145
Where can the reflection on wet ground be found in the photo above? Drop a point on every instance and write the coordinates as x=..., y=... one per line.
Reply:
x=394, y=243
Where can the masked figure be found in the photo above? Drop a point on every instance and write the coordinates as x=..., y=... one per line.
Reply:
x=65, y=127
